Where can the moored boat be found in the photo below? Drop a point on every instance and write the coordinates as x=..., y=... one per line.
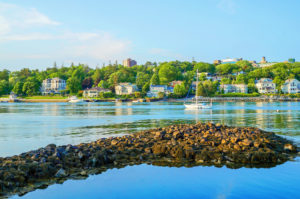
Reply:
x=74, y=99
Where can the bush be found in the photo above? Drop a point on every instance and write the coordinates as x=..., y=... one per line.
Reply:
x=238, y=95
x=108, y=95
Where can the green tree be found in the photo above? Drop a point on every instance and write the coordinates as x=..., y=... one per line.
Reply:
x=204, y=67
x=161, y=95
x=29, y=88
x=167, y=73
x=103, y=84
x=180, y=90
x=202, y=77
x=141, y=79
x=155, y=79
x=241, y=79
x=74, y=85
x=18, y=88
x=245, y=65
x=146, y=87
x=4, y=87
x=225, y=81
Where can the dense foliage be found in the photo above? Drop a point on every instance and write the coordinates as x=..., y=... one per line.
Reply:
x=27, y=82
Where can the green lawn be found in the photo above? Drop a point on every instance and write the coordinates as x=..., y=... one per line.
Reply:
x=45, y=97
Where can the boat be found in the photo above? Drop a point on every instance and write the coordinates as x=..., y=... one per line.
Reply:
x=13, y=97
x=74, y=99
x=197, y=105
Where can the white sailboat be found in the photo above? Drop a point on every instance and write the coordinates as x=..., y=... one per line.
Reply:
x=74, y=99
x=198, y=105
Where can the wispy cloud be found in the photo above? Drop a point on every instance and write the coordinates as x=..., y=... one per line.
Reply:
x=19, y=24
x=16, y=17
x=227, y=6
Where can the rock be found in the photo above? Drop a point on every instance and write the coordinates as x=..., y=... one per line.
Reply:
x=237, y=147
x=176, y=145
x=83, y=173
x=114, y=142
x=246, y=142
x=177, y=135
x=289, y=147
x=61, y=173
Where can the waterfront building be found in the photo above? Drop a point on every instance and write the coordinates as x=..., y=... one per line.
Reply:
x=129, y=62
x=291, y=86
x=265, y=85
x=125, y=89
x=94, y=92
x=155, y=89
x=234, y=88
x=54, y=85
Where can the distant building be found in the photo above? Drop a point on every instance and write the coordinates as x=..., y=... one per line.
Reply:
x=231, y=61
x=217, y=62
x=253, y=62
x=155, y=89
x=94, y=92
x=291, y=86
x=234, y=88
x=291, y=60
x=54, y=85
x=262, y=65
x=265, y=85
x=129, y=62
x=125, y=89
x=174, y=83
x=263, y=60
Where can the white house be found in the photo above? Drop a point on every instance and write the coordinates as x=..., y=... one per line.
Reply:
x=155, y=89
x=125, y=89
x=94, y=92
x=291, y=86
x=234, y=88
x=54, y=85
x=265, y=85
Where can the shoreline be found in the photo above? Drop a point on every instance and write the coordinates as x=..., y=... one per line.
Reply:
x=203, y=99
x=176, y=145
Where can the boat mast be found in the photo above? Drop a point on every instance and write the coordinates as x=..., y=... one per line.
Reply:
x=197, y=88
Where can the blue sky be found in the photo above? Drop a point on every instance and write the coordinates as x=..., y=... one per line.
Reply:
x=36, y=33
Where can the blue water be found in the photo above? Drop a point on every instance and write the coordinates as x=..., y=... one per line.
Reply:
x=28, y=126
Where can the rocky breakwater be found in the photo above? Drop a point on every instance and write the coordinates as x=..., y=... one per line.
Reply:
x=177, y=145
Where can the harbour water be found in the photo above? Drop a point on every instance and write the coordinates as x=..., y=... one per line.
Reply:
x=27, y=126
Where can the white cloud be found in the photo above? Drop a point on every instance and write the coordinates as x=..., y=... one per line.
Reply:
x=28, y=24
x=33, y=17
x=16, y=17
x=227, y=6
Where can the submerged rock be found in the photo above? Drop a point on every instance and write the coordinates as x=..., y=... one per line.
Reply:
x=176, y=145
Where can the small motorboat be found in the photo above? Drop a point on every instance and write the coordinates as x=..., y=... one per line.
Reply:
x=74, y=99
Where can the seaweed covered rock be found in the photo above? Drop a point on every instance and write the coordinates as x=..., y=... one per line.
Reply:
x=176, y=145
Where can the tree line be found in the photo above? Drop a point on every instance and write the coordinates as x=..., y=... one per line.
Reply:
x=26, y=82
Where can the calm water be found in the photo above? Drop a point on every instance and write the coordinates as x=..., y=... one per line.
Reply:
x=24, y=127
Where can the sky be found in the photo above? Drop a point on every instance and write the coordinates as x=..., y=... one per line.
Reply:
x=36, y=33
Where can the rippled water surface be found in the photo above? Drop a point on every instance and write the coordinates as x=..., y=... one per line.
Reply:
x=27, y=126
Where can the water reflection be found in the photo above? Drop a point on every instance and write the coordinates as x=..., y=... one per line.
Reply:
x=25, y=126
